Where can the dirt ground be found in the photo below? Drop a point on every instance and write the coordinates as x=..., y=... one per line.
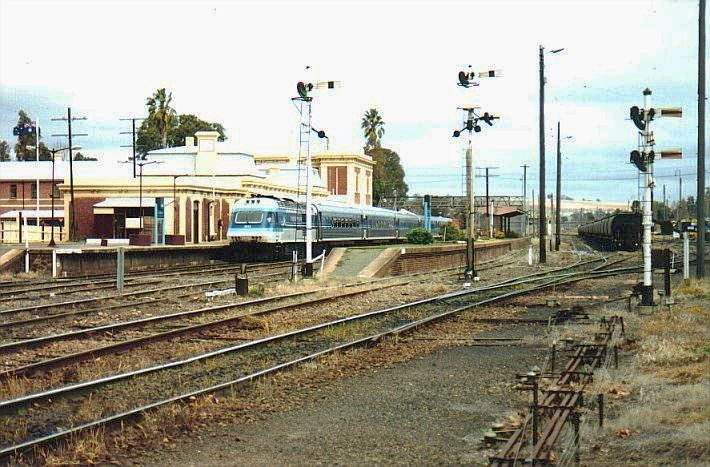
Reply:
x=430, y=410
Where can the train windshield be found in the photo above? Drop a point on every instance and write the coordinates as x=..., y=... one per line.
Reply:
x=249, y=217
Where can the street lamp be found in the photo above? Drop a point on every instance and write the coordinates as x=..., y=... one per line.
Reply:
x=140, y=190
x=543, y=254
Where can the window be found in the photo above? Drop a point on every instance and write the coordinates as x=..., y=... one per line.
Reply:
x=34, y=191
x=13, y=191
x=249, y=217
x=55, y=190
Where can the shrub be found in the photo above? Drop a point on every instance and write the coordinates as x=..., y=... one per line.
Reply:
x=420, y=237
x=498, y=234
x=512, y=234
x=450, y=232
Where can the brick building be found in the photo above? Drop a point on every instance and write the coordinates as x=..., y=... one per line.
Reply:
x=190, y=187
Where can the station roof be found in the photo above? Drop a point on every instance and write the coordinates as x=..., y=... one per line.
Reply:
x=31, y=213
x=504, y=211
x=126, y=203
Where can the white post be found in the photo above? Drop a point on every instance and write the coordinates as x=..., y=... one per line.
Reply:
x=27, y=246
x=37, y=169
x=530, y=256
x=120, y=267
x=309, y=190
x=490, y=220
x=54, y=262
x=686, y=256
x=647, y=222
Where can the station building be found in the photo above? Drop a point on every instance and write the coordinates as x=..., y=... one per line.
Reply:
x=184, y=194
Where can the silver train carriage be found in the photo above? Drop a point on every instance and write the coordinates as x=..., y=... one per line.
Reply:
x=276, y=226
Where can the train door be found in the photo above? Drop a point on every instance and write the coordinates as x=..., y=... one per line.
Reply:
x=364, y=226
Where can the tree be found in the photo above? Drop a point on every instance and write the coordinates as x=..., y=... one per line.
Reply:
x=80, y=157
x=22, y=152
x=4, y=151
x=374, y=127
x=164, y=128
x=189, y=124
x=387, y=175
x=161, y=114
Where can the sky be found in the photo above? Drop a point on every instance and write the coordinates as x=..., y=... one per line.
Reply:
x=237, y=62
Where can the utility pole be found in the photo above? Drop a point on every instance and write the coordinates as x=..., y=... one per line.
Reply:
x=541, y=214
x=525, y=199
x=664, y=202
x=543, y=226
x=488, y=200
x=643, y=160
x=70, y=135
x=133, y=140
x=471, y=119
x=700, y=245
x=559, y=190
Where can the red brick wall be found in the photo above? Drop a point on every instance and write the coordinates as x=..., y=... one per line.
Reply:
x=10, y=204
x=84, y=209
x=188, y=220
x=225, y=218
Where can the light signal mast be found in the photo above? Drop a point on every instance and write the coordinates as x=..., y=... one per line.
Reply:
x=471, y=119
x=643, y=160
x=304, y=102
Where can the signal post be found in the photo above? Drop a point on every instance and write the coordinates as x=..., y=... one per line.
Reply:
x=471, y=119
x=643, y=159
x=304, y=150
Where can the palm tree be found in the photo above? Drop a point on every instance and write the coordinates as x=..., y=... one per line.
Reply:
x=161, y=113
x=373, y=127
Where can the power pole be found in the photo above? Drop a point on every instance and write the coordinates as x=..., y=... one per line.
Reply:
x=525, y=192
x=70, y=135
x=488, y=200
x=559, y=190
x=643, y=160
x=664, y=202
x=133, y=140
x=541, y=214
x=700, y=245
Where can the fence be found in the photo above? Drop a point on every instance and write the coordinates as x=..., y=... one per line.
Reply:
x=34, y=234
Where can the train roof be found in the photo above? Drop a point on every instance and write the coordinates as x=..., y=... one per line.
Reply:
x=273, y=202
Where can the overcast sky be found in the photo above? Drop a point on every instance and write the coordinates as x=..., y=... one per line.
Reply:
x=237, y=63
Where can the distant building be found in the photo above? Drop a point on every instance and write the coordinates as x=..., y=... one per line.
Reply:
x=192, y=186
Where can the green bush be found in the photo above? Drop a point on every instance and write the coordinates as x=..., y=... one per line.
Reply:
x=451, y=233
x=420, y=237
x=512, y=234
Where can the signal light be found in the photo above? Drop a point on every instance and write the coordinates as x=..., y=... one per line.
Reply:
x=464, y=79
x=638, y=160
x=488, y=118
x=477, y=129
x=469, y=125
x=303, y=89
x=457, y=133
x=637, y=115
x=321, y=133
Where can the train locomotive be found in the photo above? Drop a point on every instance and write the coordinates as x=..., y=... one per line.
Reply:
x=267, y=227
x=616, y=232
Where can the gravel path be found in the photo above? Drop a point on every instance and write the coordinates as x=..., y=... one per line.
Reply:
x=431, y=410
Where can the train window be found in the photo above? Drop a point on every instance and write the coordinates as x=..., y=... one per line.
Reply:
x=249, y=217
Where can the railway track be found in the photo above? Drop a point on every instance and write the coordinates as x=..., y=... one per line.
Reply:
x=221, y=369
x=74, y=286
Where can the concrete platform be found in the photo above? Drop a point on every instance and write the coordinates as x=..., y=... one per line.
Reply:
x=79, y=260
x=405, y=259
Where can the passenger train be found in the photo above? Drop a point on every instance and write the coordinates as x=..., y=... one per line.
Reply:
x=267, y=227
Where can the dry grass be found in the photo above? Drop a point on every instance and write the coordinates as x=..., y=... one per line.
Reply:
x=668, y=411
